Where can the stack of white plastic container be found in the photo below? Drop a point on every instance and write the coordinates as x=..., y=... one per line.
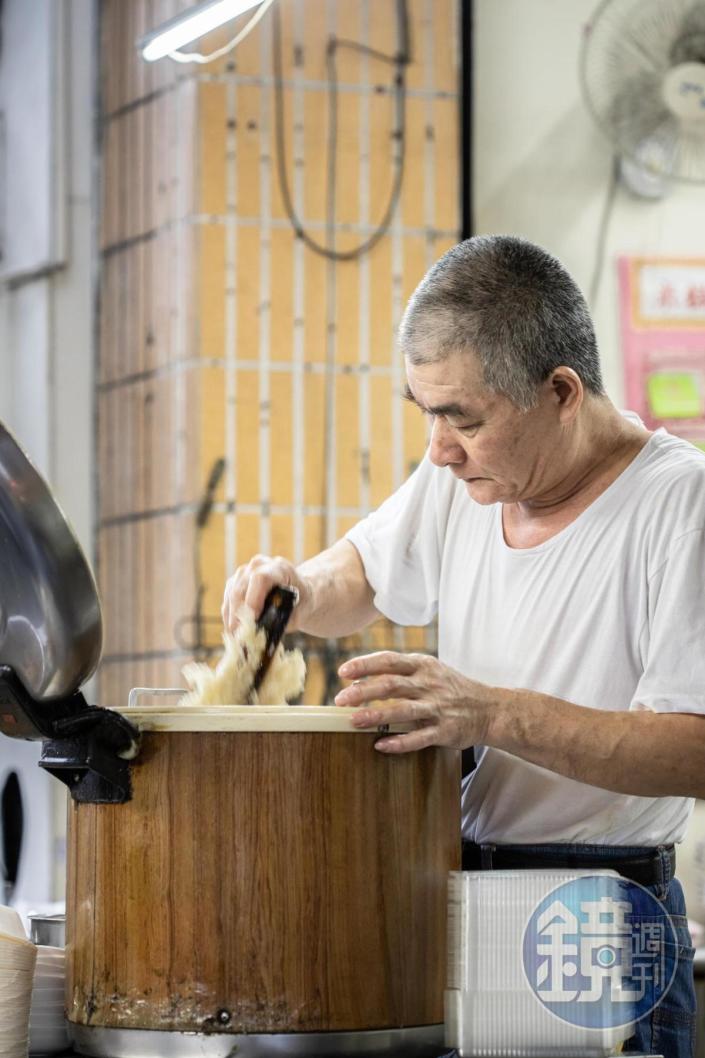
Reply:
x=47, y=1024
x=17, y=959
x=491, y=1009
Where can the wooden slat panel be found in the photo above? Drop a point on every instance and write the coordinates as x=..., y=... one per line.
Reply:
x=213, y=574
x=282, y=326
x=314, y=302
x=313, y=534
x=249, y=102
x=421, y=14
x=247, y=537
x=348, y=311
x=247, y=286
x=381, y=304
x=282, y=413
x=315, y=124
x=247, y=412
x=282, y=535
x=167, y=180
x=212, y=120
x=445, y=115
x=211, y=312
x=314, y=390
x=381, y=445
x=346, y=445
x=413, y=189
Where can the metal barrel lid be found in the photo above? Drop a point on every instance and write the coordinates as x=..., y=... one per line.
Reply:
x=51, y=629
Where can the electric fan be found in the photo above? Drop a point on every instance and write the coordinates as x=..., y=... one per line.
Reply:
x=643, y=75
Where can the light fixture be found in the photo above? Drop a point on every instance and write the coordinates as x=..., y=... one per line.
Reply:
x=190, y=25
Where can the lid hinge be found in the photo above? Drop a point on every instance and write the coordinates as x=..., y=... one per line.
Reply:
x=85, y=746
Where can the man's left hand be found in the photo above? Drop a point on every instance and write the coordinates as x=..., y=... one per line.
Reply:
x=447, y=708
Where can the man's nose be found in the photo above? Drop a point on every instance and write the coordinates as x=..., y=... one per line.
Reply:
x=443, y=447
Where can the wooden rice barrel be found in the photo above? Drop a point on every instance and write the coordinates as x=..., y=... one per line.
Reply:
x=263, y=880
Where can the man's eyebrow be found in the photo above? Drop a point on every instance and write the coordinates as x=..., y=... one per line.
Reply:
x=454, y=410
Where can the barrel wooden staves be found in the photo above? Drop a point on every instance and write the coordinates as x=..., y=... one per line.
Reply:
x=262, y=881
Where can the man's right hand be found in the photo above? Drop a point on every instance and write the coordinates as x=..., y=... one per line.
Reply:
x=252, y=583
x=334, y=596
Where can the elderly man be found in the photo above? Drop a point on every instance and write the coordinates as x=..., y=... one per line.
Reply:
x=562, y=548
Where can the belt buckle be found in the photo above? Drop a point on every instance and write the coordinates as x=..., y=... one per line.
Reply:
x=486, y=852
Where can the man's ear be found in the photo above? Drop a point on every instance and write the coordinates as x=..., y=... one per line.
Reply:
x=568, y=392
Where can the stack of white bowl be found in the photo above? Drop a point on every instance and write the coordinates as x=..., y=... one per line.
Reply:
x=47, y=1025
x=17, y=959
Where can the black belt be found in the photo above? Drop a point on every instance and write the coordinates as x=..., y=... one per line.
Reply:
x=646, y=869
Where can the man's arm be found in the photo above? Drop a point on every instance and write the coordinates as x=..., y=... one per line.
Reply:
x=335, y=598
x=644, y=753
x=340, y=599
x=632, y=752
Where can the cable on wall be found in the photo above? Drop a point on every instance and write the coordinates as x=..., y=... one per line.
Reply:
x=607, y=209
x=400, y=61
x=467, y=25
x=196, y=619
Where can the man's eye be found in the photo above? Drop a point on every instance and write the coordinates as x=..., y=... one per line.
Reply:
x=467, y=427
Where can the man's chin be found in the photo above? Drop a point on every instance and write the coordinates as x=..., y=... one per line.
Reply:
x=483, y=490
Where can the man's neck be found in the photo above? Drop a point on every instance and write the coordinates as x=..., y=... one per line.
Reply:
x=602, y=447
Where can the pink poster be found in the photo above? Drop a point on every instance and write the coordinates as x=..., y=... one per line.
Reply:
x=662, y=302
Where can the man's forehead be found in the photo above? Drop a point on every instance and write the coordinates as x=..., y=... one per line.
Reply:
x=441, y=406
x=451, y=386
x=456, y=370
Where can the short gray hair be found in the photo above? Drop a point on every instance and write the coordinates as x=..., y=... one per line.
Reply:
x=514, y=306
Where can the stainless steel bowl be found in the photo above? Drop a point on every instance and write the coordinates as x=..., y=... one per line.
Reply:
x=48, y=929
x=50, y=618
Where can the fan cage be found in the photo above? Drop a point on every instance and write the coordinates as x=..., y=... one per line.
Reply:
x=628, y=48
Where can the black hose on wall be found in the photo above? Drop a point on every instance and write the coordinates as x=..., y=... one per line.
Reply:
x=466, y=122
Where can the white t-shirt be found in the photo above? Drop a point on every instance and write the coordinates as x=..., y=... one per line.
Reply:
x=609, y=613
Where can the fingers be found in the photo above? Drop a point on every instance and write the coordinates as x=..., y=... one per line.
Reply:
x=385, y=661
x=409, y=743
x=404, y=711
x=251, y=583
x=376, y=688
x=260, y=583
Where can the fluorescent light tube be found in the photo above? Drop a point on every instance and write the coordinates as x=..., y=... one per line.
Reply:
x=190, y=25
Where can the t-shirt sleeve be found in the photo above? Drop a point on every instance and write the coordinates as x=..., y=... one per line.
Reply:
x=400, y=545
x=673, y=641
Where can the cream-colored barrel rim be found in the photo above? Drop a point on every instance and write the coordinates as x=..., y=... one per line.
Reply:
x=292, y=718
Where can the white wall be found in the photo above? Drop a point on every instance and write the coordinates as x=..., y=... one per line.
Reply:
x=46, y=301
x=541, y=167
x=46, y=320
